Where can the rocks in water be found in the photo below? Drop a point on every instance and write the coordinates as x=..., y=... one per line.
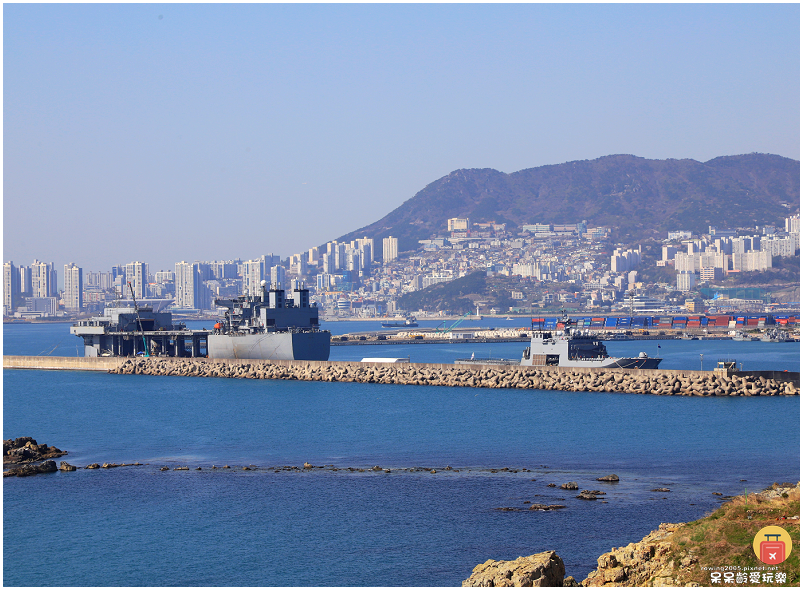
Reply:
x=165, y=468
x=546, y=507
x=551, y=485
x=587, y=495
x=541, y=569
x=307, y=465
x=93, y=466
x=67, y=467
x=25, y=470
x=570, y=485
x=26, y=450
x=610, y=478
x=661, y=490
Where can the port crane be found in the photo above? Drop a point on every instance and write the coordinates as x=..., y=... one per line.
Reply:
x=455, y=324
x=138, y=319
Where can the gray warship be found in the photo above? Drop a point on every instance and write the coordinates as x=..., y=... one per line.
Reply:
x=569, y=348
x=270, y=326
x=574, y=349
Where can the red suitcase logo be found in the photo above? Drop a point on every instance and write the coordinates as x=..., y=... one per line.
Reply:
x=772, y=545
x=772, y=552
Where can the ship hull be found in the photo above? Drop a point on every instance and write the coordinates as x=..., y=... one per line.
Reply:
x=272, y=346
x=613, y=363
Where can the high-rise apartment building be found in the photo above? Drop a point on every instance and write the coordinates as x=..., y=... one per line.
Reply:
x=252, y=275
x=136, y=275
x=73, y=287
x=11, y=288
x=278, y=277
x=25, y=281
x=190, y=292
x=389, y=249
x=43, y=279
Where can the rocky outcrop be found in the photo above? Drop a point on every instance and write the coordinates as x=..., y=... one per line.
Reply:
x=25, y=470
x=646, y=563
x=503, y=377
x=542, y=569
x=26, y=450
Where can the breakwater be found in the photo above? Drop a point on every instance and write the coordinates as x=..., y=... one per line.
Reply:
x=655, y=382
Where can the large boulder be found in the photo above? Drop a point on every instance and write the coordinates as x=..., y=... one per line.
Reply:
x=613, y=477
x=542, y=569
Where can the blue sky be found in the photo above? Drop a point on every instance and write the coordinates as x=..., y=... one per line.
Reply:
x=184, y=131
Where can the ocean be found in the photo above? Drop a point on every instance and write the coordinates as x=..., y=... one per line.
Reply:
x=345, y=524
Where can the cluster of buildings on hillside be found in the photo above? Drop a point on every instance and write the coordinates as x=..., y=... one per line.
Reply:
x=351, y=279
x=720, y=253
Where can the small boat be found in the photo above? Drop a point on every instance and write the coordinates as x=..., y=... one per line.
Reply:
x=410, y=322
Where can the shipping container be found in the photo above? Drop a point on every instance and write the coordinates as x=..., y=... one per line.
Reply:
x=611, y=322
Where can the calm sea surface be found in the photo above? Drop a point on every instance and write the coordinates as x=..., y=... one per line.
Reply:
x=138, y=526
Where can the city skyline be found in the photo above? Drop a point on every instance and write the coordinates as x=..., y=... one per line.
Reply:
x=183, y=132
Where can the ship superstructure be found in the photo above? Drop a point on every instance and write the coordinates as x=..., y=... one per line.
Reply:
x=270, y=326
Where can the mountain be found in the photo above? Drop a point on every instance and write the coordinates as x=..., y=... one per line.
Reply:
x=637, y=197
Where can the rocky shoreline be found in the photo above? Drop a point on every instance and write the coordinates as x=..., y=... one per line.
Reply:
x=653, y=382
x=672, y=555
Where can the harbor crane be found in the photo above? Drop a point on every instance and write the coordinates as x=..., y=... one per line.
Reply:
x=138, y=319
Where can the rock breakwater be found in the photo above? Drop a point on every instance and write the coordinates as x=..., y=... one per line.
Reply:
x=654, y=382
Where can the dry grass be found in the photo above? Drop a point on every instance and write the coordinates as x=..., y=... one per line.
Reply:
x=725, y=537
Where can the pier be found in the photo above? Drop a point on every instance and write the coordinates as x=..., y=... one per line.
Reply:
x=639, y=381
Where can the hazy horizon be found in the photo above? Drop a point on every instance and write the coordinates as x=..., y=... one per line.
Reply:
x=176, y=132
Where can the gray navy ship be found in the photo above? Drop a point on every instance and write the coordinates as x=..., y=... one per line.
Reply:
x=270, y=326
x=267, y=326
x=569, y=348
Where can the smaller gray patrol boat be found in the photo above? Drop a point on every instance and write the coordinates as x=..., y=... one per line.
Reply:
x=573, y=348
x=568, y=348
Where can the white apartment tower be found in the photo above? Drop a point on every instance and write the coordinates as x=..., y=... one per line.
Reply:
x=793, y=224
x=190, y=292
x=73, y=287
x=252, y=276
x=136, y=275
x=389, y=249
x=43, y=279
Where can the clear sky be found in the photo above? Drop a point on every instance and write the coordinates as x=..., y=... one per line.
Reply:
x=196, y=132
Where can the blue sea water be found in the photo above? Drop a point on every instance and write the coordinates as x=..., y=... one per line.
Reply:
x=139, y=526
